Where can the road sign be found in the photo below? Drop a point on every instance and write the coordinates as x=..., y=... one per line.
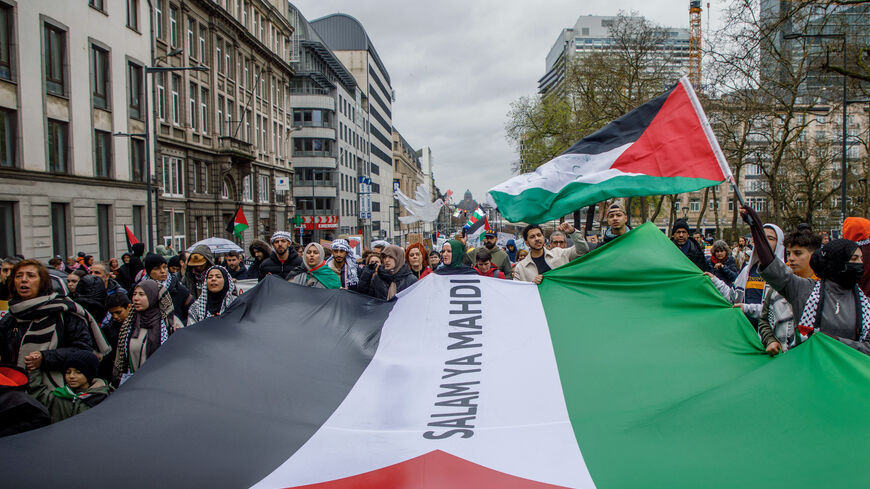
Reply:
x=311, y=223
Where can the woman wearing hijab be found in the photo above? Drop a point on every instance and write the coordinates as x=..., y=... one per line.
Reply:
x=453, y=249
x=415, y=257
x=147, y=327
x=314, y=271
x=833, y=305
x=41, y=329
x=219, y=293
x=748, y=289
x=392, y=276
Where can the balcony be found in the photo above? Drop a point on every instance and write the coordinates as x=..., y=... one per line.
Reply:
x=298, y=182
x=228, y=145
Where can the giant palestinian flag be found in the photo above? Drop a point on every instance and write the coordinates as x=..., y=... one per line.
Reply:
x=623, y=369
x=665, y=146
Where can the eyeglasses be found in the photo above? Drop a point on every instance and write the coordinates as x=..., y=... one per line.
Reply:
x=558, y=243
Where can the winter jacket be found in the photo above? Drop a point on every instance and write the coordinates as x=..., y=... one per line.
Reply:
x=254, y=264
x=128, y=271
x=512, y=255
x=72, y=333
x=500, y=260
x=189, y=281
x=493, y=272
x=62, y=402
x=380, y=286
x=727, y=273
x=92, y=296
x=181, y=298
x=239, y=274
x=276, y=267
x=526, y=270
x=694, y=252
x=113, y=287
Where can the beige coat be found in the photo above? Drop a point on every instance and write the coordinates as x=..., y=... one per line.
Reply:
x=526, y=271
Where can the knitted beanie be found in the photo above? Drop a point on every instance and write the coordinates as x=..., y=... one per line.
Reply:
x=83, y=361
x=152, y=261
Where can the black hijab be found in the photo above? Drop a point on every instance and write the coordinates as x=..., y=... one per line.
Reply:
x=830, y=262
x=215, y=300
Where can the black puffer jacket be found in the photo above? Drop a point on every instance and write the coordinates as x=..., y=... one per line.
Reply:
x=276, y=267
x=92, y=296
x=380, y=286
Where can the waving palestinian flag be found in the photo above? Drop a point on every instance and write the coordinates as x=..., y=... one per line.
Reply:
x=238, y=223
x=623, y=369
x=665, y=146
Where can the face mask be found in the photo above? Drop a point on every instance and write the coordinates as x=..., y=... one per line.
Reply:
x=850, y=275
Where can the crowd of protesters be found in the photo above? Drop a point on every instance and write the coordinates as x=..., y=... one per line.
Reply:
x=76, y=329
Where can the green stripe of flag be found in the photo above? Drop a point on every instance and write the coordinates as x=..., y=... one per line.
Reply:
x=534, y=204
x=667, y=385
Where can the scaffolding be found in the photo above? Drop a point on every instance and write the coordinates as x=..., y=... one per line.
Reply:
x=695, y=44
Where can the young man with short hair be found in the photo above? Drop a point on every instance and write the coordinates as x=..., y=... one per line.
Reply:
x=540, y=259
x=235, y=267
x=283, y=259
x=484, y=266
x=617, y=219
x=776, y=324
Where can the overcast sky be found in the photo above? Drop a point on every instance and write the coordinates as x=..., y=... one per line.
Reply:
x=457, y=65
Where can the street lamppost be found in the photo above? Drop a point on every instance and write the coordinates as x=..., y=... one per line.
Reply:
x=842, y=38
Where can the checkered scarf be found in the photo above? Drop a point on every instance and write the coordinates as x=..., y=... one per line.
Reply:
x=810, y=318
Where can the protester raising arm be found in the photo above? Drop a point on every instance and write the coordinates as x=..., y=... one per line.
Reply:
x=762, y=248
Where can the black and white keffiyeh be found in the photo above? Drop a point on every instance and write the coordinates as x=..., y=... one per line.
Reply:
x=810, y=318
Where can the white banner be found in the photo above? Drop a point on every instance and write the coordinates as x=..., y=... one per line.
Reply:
x=449, y=376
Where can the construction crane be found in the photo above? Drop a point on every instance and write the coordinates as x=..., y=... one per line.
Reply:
x=695, y=44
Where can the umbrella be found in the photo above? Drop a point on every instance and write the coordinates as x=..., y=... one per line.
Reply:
x=217, y=245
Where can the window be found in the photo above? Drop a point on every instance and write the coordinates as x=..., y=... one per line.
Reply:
x=191, y=42
x=176, y=100
x=137, y=160
x=202, y=36
x=55, y=59
x=312, y=147
x=247, y=190
x=138, y=221
x=59, y=232
x=173, y=26
x=192, y=93
x=203, y=105
x=174, y=232
x=158, y=18
x=104, y=231
x=133, y=14
x=8, y=137
x=6, y=30
x=173, y=177
x=102, y=154
x=263, y=188
x=100, y=76
x=57, y=146
x=161, y=96
x=228, y=58
x=694, y=205
x=220, y=115
x=7, y=229
x=218, y=54
x=97, y=4
x=134, y=83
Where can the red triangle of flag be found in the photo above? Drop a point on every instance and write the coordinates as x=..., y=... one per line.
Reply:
x=673, y=145
x=434, y=470
x=486, y=224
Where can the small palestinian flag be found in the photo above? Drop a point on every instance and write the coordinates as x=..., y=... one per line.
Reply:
x=623, y=369
x=457, y=212
x=131, y=238
x=238, y=223
x=476, y=216
x=665, y=146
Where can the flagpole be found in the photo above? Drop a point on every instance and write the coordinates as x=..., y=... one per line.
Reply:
x=739, y=195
